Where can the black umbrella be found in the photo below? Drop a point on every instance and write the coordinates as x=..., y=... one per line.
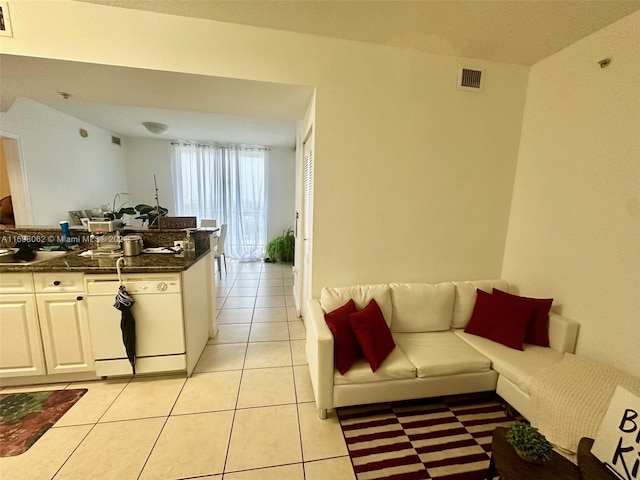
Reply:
x=124, y=302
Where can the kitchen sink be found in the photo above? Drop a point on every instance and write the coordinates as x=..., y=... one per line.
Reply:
x=7, y=257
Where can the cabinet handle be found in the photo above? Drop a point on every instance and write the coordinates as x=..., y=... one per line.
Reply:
x=80, y=298
x=57, y=282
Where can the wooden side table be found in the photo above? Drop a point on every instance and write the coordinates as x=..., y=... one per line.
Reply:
x=590, y=467
x=510, y=466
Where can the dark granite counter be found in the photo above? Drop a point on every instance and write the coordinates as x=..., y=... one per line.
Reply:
x=74, y=262
x=145, y=263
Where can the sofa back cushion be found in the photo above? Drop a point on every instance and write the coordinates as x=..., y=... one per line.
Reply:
x=421, y=307
x=333, y=298
x=465, y=298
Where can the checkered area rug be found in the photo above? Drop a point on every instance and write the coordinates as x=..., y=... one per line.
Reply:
x=440, y=439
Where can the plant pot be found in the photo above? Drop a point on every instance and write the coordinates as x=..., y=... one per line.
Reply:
x=527, y=458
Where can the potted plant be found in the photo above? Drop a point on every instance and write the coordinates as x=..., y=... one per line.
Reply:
x=117, y=214
x=281, y=248
x=120, y=213
x=150, y=214
x=529, y=443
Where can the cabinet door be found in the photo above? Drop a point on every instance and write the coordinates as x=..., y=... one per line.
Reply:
x=65, y=333
x=20, y=345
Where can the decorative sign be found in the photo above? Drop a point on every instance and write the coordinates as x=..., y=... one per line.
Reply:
x=617, y=443
x=177, y=222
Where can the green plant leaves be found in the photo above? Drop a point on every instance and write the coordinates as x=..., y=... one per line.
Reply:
x=282, y=247
x=529, y=441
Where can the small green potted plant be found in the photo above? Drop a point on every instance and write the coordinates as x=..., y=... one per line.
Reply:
x=529, y=443
x=150, y=214
x=281, y=248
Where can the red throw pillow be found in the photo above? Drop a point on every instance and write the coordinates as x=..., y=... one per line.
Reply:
x=500, y=319
x=345, y=343
x=482, y=316
x=373, y=334
x=538, y=329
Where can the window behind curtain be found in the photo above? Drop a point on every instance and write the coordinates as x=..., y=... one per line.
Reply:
x=227, y=183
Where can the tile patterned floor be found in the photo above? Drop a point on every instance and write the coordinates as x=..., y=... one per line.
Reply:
x=247, y=412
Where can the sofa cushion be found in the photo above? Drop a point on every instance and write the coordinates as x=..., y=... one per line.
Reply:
x=440, y=353
x=372, y=333
x=538, y=329
x=500, y=319
x=466, y=298
x=332, y=298
x=395, y=367
x=346, y=348
x=518, y=366
x=420, y=307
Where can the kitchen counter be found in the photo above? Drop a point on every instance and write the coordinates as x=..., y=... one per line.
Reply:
x=144, y=263
x=73, y=262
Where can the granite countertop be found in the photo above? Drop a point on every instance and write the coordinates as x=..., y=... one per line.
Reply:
x=42, y=236
x=144, y=263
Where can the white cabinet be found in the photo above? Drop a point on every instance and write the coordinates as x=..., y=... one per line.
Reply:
x=63, y=322
x=58, y=282
x=43, y=324
x=20, y=345
x=65, y=332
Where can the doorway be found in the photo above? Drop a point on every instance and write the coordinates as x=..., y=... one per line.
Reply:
x=13, y=188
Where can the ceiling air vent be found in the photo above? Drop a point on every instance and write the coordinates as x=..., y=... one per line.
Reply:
x=115, y=140
x=469, y=79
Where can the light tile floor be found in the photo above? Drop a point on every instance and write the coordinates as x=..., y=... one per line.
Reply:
x=247, y=412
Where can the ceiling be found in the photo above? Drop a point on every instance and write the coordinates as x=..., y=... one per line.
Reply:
x=509, y=31
x=119, y=99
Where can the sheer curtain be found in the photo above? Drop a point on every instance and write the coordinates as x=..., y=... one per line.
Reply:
x=227, y=183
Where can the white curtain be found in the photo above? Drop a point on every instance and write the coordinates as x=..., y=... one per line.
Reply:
x=226, y=183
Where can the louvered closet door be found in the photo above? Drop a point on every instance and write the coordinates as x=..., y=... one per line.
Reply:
x=307, y=217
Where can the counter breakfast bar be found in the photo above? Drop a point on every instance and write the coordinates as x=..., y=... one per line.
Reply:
x=57, y=316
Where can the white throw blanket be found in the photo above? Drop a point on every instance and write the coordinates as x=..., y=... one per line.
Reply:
x=570, y=398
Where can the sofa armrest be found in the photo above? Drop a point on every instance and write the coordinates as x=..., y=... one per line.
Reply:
x=563, y=333
x=319, y=348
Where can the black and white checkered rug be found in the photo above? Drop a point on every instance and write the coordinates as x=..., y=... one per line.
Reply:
x=439, y=439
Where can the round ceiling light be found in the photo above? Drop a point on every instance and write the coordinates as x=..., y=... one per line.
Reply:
x=156, y=128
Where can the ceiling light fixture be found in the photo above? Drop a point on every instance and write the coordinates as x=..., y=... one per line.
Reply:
x=156, y=128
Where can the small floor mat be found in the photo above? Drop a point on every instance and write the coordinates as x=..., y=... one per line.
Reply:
x=25, y=417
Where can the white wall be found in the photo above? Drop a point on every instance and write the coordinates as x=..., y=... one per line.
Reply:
x=413, y=180
x=63, y=170
x=574, y=232
x=146, y=157
x=281, y=201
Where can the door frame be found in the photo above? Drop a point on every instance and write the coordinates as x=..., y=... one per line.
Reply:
x=12, y=148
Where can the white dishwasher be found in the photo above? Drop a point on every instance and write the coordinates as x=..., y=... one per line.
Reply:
x=160, y=345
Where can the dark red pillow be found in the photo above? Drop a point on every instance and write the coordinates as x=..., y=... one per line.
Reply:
x=538, y=329
x=482, y=316
x=500, y=319
x=373, y=334
x=345, y=343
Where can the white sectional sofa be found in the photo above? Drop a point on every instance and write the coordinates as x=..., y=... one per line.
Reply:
x=433, y=354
